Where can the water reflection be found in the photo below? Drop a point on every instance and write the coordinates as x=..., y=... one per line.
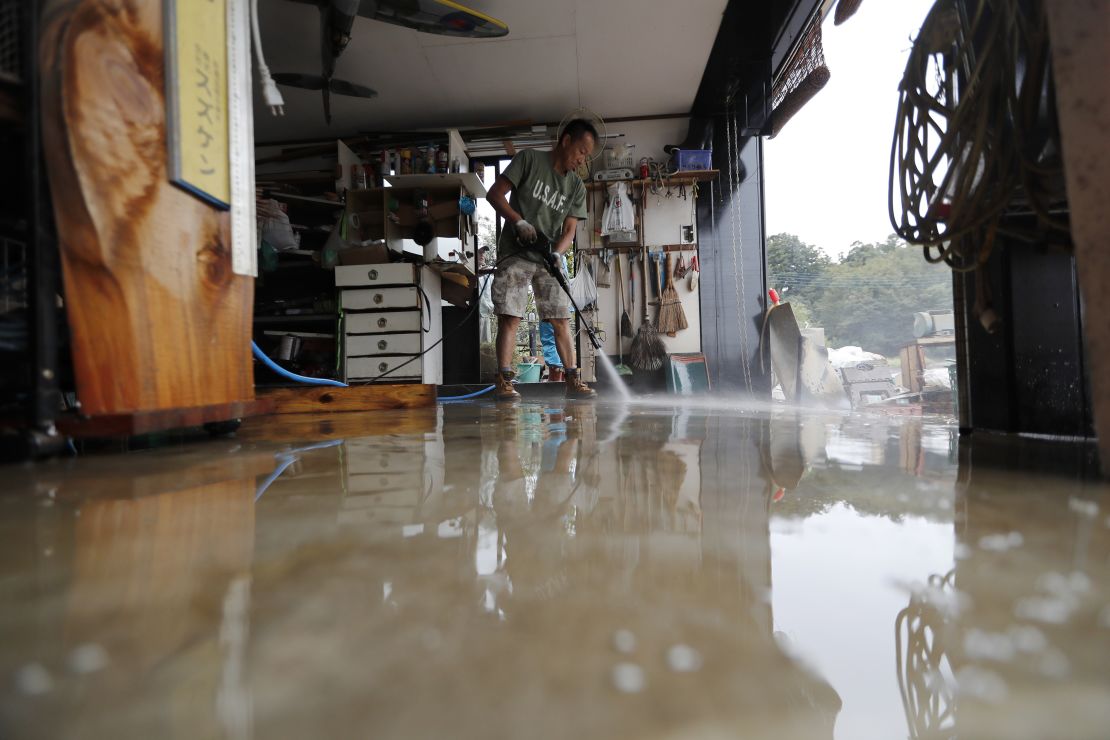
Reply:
x=925, y=677
x=546, y=570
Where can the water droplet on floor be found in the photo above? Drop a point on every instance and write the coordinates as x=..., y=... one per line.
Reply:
x=979, y=683
x=34, y=680
x=1001, y=542
x=1028, y=639
x=683, y=659
x=983, y=645
x=88, y=658
x=1083, y=507
x=624, y=641
x=1048, y=610
x=628, y=678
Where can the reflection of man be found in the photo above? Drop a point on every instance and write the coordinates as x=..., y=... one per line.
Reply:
x=547, y=198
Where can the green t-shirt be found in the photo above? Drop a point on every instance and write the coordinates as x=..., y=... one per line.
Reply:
x=542, y=196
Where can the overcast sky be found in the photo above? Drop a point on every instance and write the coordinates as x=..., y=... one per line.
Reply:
x=826, y=173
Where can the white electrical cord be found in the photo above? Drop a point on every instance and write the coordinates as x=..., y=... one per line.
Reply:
x=270, y=92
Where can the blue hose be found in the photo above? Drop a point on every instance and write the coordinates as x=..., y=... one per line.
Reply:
x=292, y=376
x=468, y=396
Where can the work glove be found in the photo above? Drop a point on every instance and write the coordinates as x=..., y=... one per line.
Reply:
x=525, y=231
x=553, y=261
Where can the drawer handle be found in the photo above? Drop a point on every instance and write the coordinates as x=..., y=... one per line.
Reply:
x=383, y=344
x=378, y=298
x=383, y=366
x=373, y=274
x=382, y=323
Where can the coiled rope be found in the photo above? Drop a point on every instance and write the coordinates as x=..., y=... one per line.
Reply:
x=976, y=138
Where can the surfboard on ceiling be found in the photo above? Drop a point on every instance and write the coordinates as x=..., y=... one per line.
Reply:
x=444, y=17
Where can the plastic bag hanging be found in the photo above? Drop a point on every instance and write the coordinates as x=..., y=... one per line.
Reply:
x=619, y=216
x=583, y=288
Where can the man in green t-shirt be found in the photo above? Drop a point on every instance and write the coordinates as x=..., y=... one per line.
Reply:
x=547, y=199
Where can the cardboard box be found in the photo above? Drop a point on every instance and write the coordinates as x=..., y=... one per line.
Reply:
x=457, y=283
x=374, y=254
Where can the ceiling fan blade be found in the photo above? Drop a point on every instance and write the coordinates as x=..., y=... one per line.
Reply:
x=342, y=87
x=443, y=17
x=292, y=79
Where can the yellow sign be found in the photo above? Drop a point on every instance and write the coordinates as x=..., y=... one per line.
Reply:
x=197, y=97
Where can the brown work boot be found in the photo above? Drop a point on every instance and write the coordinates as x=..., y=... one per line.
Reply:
x=555, y=374
x=505, y=390
x=576, y=388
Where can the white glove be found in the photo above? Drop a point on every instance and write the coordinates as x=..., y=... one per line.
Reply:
x=525, y=231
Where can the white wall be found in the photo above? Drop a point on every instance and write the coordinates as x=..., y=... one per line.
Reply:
x=662, y=218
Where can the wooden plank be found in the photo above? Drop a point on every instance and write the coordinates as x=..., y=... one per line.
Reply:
x=299, y=427
x=1080, y=58
x=316, y=399
x=157, y=317
x=145, y=422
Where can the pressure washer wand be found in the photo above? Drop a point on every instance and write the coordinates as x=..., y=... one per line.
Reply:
x=550, y=260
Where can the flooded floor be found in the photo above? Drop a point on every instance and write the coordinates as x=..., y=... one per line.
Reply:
x=560, y=571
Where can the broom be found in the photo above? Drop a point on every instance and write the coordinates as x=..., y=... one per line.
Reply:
x=672, y=319
x=626, y=323
x=648, y=351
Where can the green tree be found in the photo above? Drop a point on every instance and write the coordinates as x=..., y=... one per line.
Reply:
x=869, y=297
x=795, y=268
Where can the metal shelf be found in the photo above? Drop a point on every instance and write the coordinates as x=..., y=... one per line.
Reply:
x=466, y=180
x=678, y=178
x=309, y=199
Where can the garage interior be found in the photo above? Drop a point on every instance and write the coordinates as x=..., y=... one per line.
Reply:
x=257, y=483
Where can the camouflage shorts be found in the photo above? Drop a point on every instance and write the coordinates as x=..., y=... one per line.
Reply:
x=510, y=290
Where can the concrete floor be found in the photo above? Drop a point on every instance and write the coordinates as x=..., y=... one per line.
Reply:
x=560, y=571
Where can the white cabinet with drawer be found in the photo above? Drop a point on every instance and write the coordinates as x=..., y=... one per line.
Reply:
x=383, y=344
x=360, y=299
x=385, y=369
x=357, y=276
x=392, y=322
x=386, y=322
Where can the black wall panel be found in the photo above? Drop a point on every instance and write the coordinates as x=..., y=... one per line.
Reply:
x=733, y=279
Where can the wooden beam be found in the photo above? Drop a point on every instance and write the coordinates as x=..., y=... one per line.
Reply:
x=1080, y=58
x=370, y=397
x=157, y=420
x=157, y=318
x=323, y=426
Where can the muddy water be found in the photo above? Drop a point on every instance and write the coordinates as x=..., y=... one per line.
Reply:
x=560, y=570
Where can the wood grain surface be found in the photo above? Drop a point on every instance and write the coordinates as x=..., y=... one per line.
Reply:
x=158, y=319
x=145, y=422
x=322, y=426
x=354, y=398
x=1080, y=58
